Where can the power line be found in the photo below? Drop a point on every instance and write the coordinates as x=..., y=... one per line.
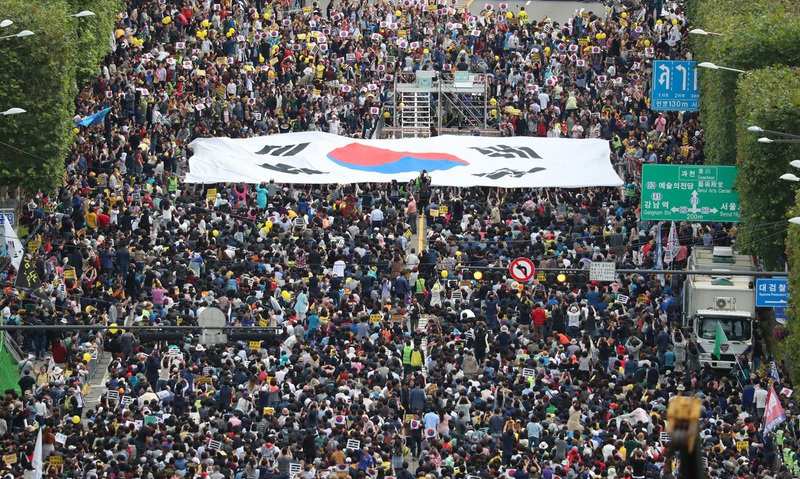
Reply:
x=166, y=328
x=645, y=271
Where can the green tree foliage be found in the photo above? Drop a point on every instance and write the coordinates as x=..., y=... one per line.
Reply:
x=39, y=74
x=756, y=34
x=93, y=34
x=788, y=350
x=769, y=98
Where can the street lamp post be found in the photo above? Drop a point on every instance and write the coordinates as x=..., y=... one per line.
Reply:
x=785, y=138
x=714, y=66
x=21, y=34
x=12, y=111
x=700, y=31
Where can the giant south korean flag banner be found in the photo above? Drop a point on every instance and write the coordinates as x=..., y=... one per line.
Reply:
x=315, y=157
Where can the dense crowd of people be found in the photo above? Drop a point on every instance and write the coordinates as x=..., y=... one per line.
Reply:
x=362, y=357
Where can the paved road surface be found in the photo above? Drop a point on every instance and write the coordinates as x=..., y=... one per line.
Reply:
x=537, y=9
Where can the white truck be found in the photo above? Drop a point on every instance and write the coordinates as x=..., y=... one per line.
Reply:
x=719, y=298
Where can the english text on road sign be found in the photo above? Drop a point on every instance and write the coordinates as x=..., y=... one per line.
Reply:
x=521, y=269
x=772, y=292
x=602, y=271
x=674, y=86
x=689, y=193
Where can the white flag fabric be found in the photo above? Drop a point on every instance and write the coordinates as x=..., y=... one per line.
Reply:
x=323, y=158
x=673, y=245
x=13, y=246
x=38, y=460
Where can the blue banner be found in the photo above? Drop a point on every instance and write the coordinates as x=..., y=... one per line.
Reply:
x=94, y=118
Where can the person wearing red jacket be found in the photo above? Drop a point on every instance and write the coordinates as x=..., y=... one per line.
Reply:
x=538, y=321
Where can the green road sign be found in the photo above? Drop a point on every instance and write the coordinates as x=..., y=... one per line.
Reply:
x=689, y=193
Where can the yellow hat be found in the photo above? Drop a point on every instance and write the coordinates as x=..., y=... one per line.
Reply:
x=119, y=33
x=87, y=357
x=624, y=14
x=478, y=275
x=166, y=20
x=674, y=21
x=205, y=24
x=215, y=233
x=444, y=273
x=425, y=51
x=493, y=101
x=201, y=34
x=76, y=419
x=646, y=42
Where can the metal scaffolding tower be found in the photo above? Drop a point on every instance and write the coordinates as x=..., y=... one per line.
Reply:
x=451, y=103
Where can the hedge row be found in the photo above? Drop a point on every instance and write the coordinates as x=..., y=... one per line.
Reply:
x=756, y=34
x=769, y=98
x=40, y=74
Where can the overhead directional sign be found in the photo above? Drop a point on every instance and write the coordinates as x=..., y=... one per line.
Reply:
x=689, y=193
x=674, y=86
x=772, y=292
x=521, y=269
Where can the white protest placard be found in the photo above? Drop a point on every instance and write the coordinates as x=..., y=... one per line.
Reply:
x=61, y=438
x=622, y=299
x=112, y=395
x=353, y=444
x=126, y=400
x=528, y=372
x=602, y=271
x=214, y=445
x=294, y=469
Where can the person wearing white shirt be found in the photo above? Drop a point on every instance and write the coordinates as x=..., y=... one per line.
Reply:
x=376, y=217
x=544, y=99
x=760, y=399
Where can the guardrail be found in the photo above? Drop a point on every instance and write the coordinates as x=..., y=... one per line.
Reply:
x=10, y=345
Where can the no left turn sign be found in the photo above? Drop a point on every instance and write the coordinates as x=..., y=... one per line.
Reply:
x=521, y=269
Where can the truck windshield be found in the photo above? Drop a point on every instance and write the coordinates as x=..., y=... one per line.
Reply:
x=736, y=329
